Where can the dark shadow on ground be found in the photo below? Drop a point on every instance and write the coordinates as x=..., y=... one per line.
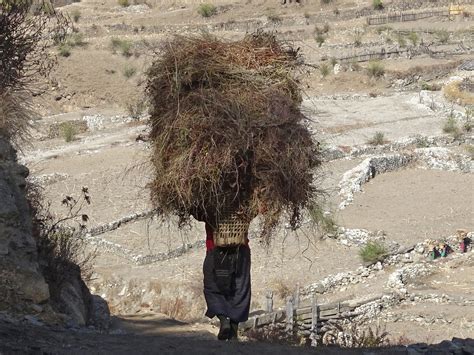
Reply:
x=148, y=335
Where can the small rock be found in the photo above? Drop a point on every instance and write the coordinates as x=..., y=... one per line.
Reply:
x=33, y=320
x=37, y=308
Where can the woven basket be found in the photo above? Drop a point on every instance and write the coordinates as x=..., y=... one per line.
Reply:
x=232, y=230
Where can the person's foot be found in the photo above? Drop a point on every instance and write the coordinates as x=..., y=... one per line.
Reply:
x=225, y=329
x=234, y=330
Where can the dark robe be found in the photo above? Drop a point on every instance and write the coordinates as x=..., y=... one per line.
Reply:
x=235, y=305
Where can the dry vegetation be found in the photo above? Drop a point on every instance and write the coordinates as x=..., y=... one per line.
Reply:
x=24, y=55
x=61, y=248
x=454, y=93
x=218, y=141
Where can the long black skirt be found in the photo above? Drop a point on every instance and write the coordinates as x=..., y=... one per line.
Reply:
x=237, y=305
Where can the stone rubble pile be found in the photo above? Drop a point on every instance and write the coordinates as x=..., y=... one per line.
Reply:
x=358, y=237
x=398, y=279
x=416, y=257
x=47, y=179
x=336, y=152
x=99, y=122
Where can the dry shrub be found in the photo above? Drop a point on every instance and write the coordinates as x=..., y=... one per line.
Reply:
x=350, y=334
x=28, y=29
x=14, y=114
x=273, y=334
x=61, y=246
x=454, y=93
x=372, y=252
x=174, y=308
x=282, y=289
x=60, y=129
x=228, y=130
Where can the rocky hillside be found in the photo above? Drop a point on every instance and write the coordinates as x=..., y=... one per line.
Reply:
x=24, y=290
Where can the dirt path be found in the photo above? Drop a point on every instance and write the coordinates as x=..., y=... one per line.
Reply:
x=139, y=334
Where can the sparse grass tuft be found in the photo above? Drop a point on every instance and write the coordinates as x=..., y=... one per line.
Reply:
x=430, y=87
x=325, y=2
x=136, y=109
x=443, y=36
x=413, y=38
x=377, y=4
x=469, y=148
x=451, y=126
x=76, y=40
x=124, y=46
x=383, y=28
x=123, y=3
x=372, y=252
x=375, y=69
x=357, y=38
x=377, y=139
x=129, y=71
x=64, y=50
x=322, y=30
x=324, y=69
x=324, y=221
x=320, y=39
x=274, y=18
x=207, y=10
x=467, y=125
x=401, y=40
x=76, y=15
x=68, y=132
x=422, y=142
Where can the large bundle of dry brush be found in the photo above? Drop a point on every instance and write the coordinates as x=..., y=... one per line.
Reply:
x=228, y=131
x=28, y=29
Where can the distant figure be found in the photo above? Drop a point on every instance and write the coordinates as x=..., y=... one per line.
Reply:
x=444, y=249
x=226, y=282
x=463, y=240
x=432, y=252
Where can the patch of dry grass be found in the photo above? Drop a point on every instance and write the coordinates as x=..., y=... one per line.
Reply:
x=282, y=289
x=14, y=115
x=174, y=308
x=453, y=93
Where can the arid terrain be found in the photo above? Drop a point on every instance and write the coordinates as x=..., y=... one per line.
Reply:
x=398, y=148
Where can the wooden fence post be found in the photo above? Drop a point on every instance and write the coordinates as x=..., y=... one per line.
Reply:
x=297, y=296
x=314, y=321
x=269, y=297
x=289, y=314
